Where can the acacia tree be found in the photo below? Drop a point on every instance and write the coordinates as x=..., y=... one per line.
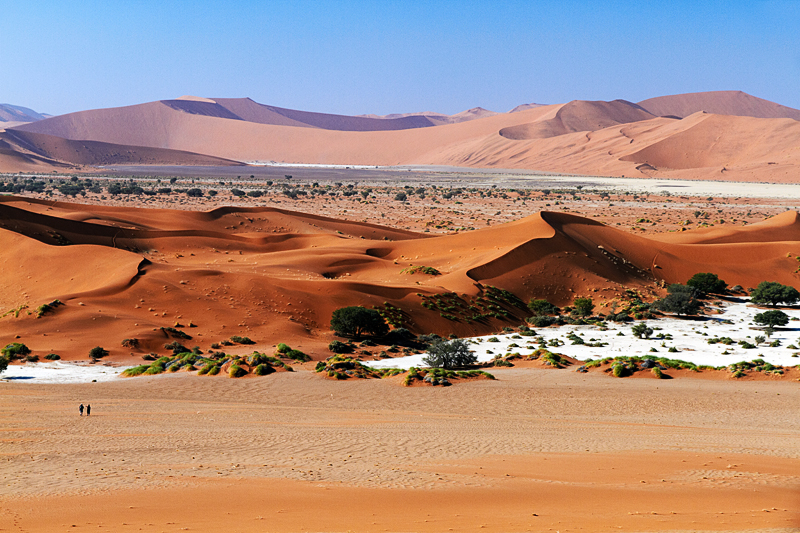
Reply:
x=680, y=300
x=449, y=354
x=542, y=307
x=583, y=306
x=774, y=293
x=770, y=319
x=707, y=283
x=356, y=321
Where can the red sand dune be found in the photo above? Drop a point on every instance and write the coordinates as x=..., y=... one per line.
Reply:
x=275, y=275
x=718, y=102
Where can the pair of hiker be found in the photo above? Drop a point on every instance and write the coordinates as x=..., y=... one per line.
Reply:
x=88, y=409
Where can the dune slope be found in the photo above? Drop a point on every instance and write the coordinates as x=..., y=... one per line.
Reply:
x=593, y=138
x=276, y=276
x=718, y=102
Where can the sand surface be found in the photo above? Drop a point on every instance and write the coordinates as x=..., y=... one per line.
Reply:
x=125, y=272
x=534, y=450
x=726, y=136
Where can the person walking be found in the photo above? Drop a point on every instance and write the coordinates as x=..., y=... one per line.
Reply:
x=88, y=409
x=80, y=409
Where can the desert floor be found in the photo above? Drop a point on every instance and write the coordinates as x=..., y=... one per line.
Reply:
x=480, y=198
x=535, y=450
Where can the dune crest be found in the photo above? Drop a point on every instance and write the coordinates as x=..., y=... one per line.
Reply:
x=736, y=103
x=261, y=272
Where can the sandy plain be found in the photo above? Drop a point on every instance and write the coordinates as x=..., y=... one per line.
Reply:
x=535, y=450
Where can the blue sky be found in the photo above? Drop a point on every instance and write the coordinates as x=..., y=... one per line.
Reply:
x=393, y=56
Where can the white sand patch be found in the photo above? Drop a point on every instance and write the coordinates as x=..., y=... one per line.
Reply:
x=61, y=372
x=689, y=337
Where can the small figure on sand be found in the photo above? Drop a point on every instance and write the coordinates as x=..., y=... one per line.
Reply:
x=80, y=409
x=88, y=409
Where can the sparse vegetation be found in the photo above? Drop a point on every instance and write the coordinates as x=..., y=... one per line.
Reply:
x=449, y=354
x=356, y=321
x=15, y=350
x=97, y=352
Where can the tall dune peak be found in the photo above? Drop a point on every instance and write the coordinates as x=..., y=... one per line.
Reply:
x=736, y=103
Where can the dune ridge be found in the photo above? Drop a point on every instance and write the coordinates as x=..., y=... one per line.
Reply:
x=616, y=138
x=736, y=103
x=274, y=275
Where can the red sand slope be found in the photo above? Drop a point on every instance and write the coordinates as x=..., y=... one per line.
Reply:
x=276, y=276
x=720, y=103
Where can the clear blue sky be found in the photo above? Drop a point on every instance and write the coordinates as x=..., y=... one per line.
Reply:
x=393, y=56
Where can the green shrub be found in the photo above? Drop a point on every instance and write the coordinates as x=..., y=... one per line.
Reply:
x=263, y=370
x=620, y=370
x=643, y=331
x=542, y=307
x=283, y=348
x=135, y=371
x=14, y=350
x=214, y=370
x=155, y=368
x=241, y=340
x=583, y=306
x=46, y=308
x=172, y=332
x=340, y=347
x=52, y=357
x=97, y=352
x=130, y=343
x=771, y=318
x=356, y=321
x=236, y=371
x=297, y=355
x=176, y=347
x=657, y=372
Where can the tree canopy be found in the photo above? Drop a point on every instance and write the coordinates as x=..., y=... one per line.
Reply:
x=449, y=354
x=356, y=321
x=542, y=307
x=642, y=330
x=707, y=283
x=771, y=318
x=583, y=306
x=773, y=293
x=679, y=301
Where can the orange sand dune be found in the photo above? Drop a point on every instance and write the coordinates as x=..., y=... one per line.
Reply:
x=275, y=275
x=58, y=150
x=579, y=116
x=718, y=102
x=593, y=138
x=719, y=141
